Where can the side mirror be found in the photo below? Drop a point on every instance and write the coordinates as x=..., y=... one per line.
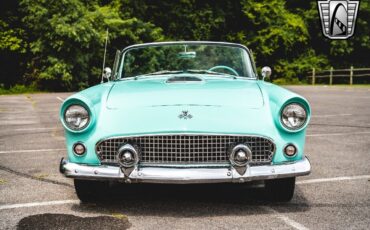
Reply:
x=266, y=72
x=107, y=73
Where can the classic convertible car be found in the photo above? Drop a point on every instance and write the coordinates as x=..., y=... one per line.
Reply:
x=185, y=112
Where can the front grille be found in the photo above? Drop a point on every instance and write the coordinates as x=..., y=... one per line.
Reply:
x=186, y=149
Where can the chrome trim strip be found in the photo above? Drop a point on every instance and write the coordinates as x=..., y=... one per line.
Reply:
x=203, y=165
x=186, y=175
x=185, y=43
x=186, y=134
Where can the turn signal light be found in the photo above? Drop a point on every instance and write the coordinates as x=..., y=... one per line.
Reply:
x=79, y=149
x=290, y=150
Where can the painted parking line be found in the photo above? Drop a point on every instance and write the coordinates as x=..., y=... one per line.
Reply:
x=335, y=134
x=280, y=216
x=60, y=99
x=285, y=218
x=292, y=223
x=33, y=129
x=333, y=115
x=333, y=179
x=31, y=150
x=34, y=204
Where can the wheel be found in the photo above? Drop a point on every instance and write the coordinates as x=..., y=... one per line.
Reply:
x=89, y=191
x=280, y=190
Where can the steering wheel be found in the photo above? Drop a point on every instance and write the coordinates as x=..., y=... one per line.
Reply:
x=224, y=67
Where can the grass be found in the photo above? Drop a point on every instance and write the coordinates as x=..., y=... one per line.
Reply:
x=326, y=85
x=119, y=216
x=41, y=175
x=284, y=82
x=18, y=89
x=304, y=82
x=356, y=85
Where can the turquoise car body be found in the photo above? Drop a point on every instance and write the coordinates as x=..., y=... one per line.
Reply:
x=218, y=105
x=187, y=123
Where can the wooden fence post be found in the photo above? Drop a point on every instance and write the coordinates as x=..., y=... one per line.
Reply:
x=351, y=76
x=331, y=76
x=313, y=76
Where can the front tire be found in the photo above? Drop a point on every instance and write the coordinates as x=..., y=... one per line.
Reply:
x=89, y=191
x=280, y=190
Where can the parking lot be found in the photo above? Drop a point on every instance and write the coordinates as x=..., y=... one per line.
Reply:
x=336, y=195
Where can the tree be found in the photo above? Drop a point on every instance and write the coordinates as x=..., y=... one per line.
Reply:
x=59, y=44
x=67, y=37
x=13, y=44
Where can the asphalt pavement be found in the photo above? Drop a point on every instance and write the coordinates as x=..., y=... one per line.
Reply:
x=336, y=195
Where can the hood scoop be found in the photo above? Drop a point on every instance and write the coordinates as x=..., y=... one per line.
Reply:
x=180, y=79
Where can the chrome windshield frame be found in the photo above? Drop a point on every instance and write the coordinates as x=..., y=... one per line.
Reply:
x=228, y=44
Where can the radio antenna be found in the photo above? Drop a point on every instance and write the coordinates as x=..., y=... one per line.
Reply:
x=105, y=52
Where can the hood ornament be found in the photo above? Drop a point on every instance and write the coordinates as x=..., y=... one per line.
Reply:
x=185, y=115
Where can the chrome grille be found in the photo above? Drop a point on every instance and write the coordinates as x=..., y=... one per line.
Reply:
x=186, y=149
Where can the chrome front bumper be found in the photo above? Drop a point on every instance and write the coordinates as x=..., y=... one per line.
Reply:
x=170, y=175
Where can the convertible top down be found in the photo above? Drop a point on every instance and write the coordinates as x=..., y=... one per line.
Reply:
x=185, y=112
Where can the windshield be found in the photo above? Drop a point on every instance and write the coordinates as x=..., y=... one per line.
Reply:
x=211, y=59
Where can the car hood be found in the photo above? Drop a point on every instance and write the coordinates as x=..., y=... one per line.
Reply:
x=219, y=92
x=211, y=106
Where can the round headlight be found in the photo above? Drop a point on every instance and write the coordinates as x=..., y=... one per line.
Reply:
x=76, y=117
x=293, y=116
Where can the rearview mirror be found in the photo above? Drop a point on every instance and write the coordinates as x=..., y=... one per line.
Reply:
x=187, y=55
x=266, y=72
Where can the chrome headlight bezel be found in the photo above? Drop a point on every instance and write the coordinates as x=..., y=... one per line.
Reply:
x=301, y=110
x=84, y=113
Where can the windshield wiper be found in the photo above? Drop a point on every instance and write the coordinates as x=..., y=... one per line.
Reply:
x=162, y=72
x=203, y=71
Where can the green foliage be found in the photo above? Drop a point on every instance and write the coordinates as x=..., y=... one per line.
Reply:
x=272, y=29
x=59, y=44
x=186, y=19
x=68, y=37
x=17, y=89
x=11, y=38
x=275, y=34
x=286, y=81
x=291, y=71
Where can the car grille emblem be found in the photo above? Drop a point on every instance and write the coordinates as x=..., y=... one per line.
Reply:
x=185, y=115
